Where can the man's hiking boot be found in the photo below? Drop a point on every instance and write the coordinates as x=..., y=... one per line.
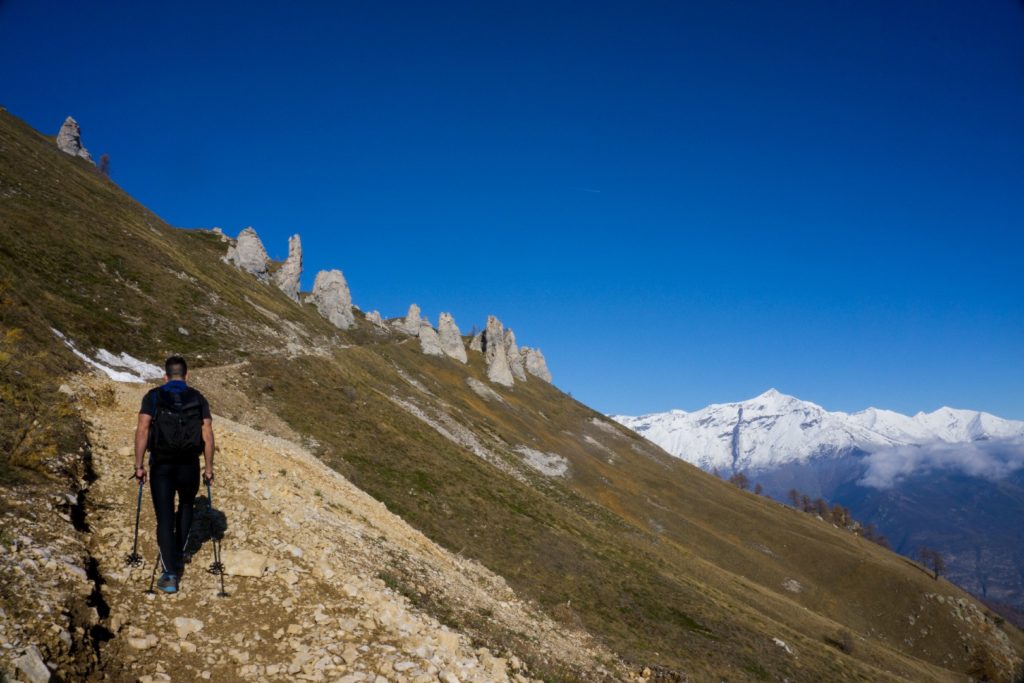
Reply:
x=167, y=582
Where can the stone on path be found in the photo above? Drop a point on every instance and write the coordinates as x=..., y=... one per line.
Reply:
x=186, y=626
x=245, y=563
x=31, y=664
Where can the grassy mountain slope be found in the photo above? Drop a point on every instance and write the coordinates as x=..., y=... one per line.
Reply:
x=665, y=564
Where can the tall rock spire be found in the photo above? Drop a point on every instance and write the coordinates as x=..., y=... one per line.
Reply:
x=248, y=254
x=69, y=140
x=498, y=370
x=535, y=364
x=332, y=298
x=515, y=360
x=287, y=276
x=411, y=323
x=451, y=339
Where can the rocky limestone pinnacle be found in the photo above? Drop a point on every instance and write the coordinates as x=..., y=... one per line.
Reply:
x=375, y=318
x=451, y=339
x=248, y=254
x=69, y=140
x=516, y=363
x=477, y=342
x=535, y=364
x=287, y=276
x=411, y=323
x=430, y=342
x=498, y=370
x=332, y=298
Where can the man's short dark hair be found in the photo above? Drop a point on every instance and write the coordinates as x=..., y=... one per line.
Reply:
x=175, y=366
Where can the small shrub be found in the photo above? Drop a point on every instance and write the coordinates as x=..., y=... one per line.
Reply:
x=933, y=560
x=842, y=641
x=739, y=480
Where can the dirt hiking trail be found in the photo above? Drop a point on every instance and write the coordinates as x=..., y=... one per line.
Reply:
x=309, y=558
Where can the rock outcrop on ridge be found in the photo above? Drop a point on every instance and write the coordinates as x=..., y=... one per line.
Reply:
x=411, y=323
x=477, y=342
x=287, y=276
x=535, y=363
x=450, y=338
x=498, y=370
x=430, y=342
x=332, y=298
x=375, y=318
x=69, y=140
x=515, y=359
x=248, y=254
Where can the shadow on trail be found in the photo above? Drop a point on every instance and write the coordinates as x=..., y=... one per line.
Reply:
x=207, y=526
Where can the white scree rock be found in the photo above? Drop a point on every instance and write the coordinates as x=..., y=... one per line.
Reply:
x=498, y=370
x=248, y=254
x=332, y=298
x=535, y=363
x=69, y=140
x=451, y=339
x=516, y=363
x=287, y=276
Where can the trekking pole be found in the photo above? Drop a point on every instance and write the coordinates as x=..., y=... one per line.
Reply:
x=134, y=559
x=216, y=567
x=152, y=577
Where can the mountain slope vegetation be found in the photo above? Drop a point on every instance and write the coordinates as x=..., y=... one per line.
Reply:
x=667, y=566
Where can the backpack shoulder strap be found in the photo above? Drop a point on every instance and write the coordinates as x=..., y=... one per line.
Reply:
x=154, y=400
x=191, y=398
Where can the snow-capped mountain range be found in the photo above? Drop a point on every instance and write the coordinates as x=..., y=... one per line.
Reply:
x=774, y=429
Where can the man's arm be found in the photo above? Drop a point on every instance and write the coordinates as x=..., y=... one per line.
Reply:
x=208, y=446
x=141, y=440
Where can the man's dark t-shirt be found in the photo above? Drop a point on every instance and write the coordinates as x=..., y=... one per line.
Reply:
x=175, y=385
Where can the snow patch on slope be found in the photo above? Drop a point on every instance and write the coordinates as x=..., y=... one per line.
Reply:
x=120, y=368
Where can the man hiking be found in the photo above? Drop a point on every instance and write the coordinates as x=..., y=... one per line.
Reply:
x=175, y=426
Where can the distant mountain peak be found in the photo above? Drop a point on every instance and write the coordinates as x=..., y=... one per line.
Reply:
x=773, y=428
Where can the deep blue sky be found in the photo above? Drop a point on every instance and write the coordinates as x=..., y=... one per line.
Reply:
x=680, y=203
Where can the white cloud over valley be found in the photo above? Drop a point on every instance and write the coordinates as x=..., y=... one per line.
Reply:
x=992, y=460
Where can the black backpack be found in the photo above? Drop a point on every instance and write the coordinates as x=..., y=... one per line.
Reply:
x=177, y=427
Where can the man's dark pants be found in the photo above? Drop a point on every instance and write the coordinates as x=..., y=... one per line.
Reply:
x=168, y=478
